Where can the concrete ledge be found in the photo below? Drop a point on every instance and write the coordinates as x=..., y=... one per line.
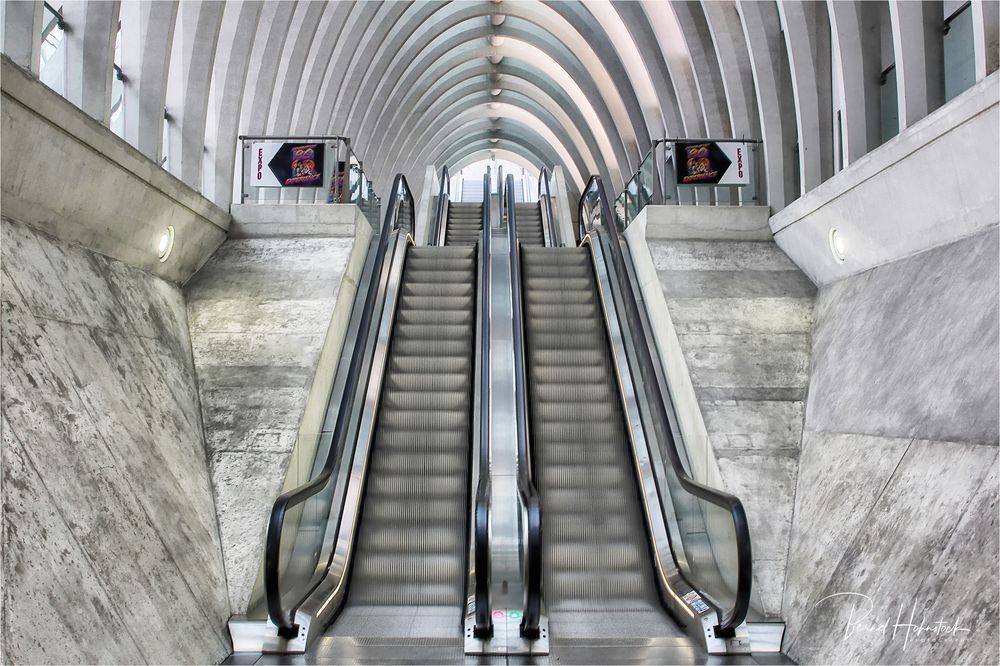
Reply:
x=933, y=184
x=69, y=176
x=748, y=223
x=294, y=220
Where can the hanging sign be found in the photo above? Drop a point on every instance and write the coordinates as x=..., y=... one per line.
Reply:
x=277, y=164
x=711, y=163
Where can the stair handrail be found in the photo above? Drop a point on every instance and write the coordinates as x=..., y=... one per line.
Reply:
x=545, y=201
x=531, y=563
x=401, y=199
x=731, y=618
x=441, y=212
x=484, y=617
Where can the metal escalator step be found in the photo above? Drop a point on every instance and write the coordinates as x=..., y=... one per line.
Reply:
x=595, y=555
x=412, y=536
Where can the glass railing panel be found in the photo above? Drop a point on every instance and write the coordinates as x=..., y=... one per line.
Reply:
x=645, y=179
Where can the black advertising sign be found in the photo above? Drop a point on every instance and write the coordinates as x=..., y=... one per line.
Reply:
x=711, y=163
x=287, y=164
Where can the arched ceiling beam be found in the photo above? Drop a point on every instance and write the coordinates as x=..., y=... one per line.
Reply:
x=272, y=29
x=630, y=59
x=856, y=27
x=734, y=64
x=147, y=33
x=511, y=116
x=807, y=42
x=633, y=16
x=191, y=62
x=775, y=101
x=472, y=94
x=225, y=98
x=302, y=31
x=671, y=45
x=522, y=76
x=705, y=65
x=319, y=62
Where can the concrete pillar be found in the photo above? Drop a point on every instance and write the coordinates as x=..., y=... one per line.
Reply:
x=232, y=55
x=708, y=78
x=192, y=57
x=22, y=33
x=147, y=36
x=91, y=27
x=807, y=40
x=985, y=26
x=855, y=26
x=917, y=32
x=772, y=81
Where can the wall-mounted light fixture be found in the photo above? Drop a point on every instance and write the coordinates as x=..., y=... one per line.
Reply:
x=166, y=243
x=838, y=246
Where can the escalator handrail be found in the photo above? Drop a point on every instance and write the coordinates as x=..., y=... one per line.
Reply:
x=532, y=562
x=484, y=617
x=272, y=587
x=648, y=357
x=444, y=196
x=543, y=179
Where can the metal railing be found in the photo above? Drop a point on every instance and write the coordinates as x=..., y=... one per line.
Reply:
x=549, y=226
x=596, y=221
x=437, y=234
x=655, y=182
x=483, y=627
x=531, y=560
x=335, y=551
x=342, y=180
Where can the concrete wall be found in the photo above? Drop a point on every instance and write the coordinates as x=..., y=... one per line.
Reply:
x=268, y=315
x=733, y=317
x=67, y=175
x=934, y=183
x=896, y=506
x=110, y=544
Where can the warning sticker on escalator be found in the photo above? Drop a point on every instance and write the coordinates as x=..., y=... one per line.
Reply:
x=694, y=600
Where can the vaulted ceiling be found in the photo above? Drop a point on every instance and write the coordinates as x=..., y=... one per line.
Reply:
x=586, y=86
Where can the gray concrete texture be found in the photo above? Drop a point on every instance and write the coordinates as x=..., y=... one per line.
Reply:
x=259, y=313
x=110, y=541
x=896, y=504
x=68, y=176
x=743, y=316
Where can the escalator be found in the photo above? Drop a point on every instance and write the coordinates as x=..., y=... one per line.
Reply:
x=410, y=559
x=373, y=557
x=634, y=554
x=529, y=224
x=596, y=569
x=465, y=224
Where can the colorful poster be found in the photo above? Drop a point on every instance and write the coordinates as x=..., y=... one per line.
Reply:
x=286, y=164
x=711, y=163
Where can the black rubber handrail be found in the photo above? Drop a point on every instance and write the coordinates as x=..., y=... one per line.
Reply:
x=532, y=556
x=735, y=616
x=543, y=178
x=484, y=617
x=444, y=195
x=282, y=619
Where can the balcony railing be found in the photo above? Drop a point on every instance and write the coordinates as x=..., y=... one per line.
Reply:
x=682, y=171
x=305, y=170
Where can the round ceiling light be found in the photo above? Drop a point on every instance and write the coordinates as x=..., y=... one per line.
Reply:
x=166, y=243
x=495, y=91
x=838, y=246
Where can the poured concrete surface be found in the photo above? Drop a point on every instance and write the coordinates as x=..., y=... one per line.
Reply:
x=743, y=315
x=896, y=506
x=259, y=312
x=110, y=542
